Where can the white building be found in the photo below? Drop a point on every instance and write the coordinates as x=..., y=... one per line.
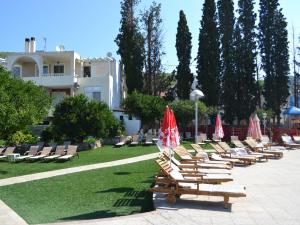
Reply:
x=66, y=73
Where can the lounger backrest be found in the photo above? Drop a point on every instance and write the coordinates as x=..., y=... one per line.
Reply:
x=296, y=138
x=218, y=148
x=60, y=150
x=197, y=148
x=135, y=138
x=203, y=137
x=238, y=143
x=286, y=139
x=46, y=150
x=224, y=145
x=234, y=138
x=33, y=150
x=9, y=150
x=149, y=138
x=72, y=149
x=250, y=143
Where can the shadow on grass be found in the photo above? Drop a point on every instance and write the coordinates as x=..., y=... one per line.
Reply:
x=132, y=198
x=122, y=173
x=3, y=172
x=117, y=190
x=92, y=215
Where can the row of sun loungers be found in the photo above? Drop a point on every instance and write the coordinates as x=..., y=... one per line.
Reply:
x=61, y=153
x=203, y=174
x=135, y=140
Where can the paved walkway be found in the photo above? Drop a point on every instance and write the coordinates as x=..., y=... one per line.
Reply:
x=43, y=175
x=273, y=198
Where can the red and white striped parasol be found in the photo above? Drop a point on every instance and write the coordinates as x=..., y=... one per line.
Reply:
x=219, y=133
x=250, y=128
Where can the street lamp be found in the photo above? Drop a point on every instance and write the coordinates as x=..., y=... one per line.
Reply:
x=264, y=115
x=195, y=96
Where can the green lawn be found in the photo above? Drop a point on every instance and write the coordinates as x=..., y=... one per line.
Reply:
x=104, y=154
x=115, y=191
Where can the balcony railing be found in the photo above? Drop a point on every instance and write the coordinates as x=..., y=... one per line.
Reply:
x=55, y=75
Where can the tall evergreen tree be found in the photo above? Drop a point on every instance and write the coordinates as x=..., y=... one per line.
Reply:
x=131, y=46
x=184, y=76
x=226, y=28
x=274, y=54
x=247, y=52
x=238, y=73
x=152, y=22
x=208, y=57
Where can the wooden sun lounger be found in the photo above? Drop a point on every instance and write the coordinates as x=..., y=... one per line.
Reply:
x=175, y=184
x=253, y=145
x=42, y=154
x=224, y=154
x=289, y=143
x=195, y=174
x=121, y=143
x=241, y=152
x=186, y=157
x=135, y=140
x=148, y=140
x=33, y=150
x=71, y=152
x=239, y=144
x=8, y=151
x=194, y=166
x=59, y=151
x=199, y=149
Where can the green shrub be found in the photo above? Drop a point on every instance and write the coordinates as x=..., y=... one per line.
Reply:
x=21, y=104
x=23, y=137
x=77, y=117
x=2, y=143
x=147, y=107
x=90, y=140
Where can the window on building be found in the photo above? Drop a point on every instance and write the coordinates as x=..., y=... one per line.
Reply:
x=16, y=71
x=93, y=93
x=121, y=117
x=45, y=69
x=87, y=71
x=97, y=96
x=59, y=69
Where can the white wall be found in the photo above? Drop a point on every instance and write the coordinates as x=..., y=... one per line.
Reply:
x=131, y=126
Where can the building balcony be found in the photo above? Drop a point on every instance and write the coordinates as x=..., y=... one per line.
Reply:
x=52, y=80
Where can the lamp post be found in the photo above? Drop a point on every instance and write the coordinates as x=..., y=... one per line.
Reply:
x=264, y=115
x=195, y=96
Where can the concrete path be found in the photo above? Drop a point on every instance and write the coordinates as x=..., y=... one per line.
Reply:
x=9, y=217
x=273, y=198
x=43, y=175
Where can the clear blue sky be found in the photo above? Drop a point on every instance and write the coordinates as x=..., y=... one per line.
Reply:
x=90, y=27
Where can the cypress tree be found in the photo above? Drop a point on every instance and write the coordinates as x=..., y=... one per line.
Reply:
x=152, y=22
x=131, y=46
x=281, y=62
x=273, y=43
x=226, y=28
x=184, y=76
x=208, y=57
x=238, y=74
x=246, y=23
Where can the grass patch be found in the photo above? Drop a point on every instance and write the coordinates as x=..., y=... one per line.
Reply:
x=103, y=154
x=115, y=191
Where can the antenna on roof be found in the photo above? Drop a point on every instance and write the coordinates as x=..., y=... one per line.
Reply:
x=45, y=43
